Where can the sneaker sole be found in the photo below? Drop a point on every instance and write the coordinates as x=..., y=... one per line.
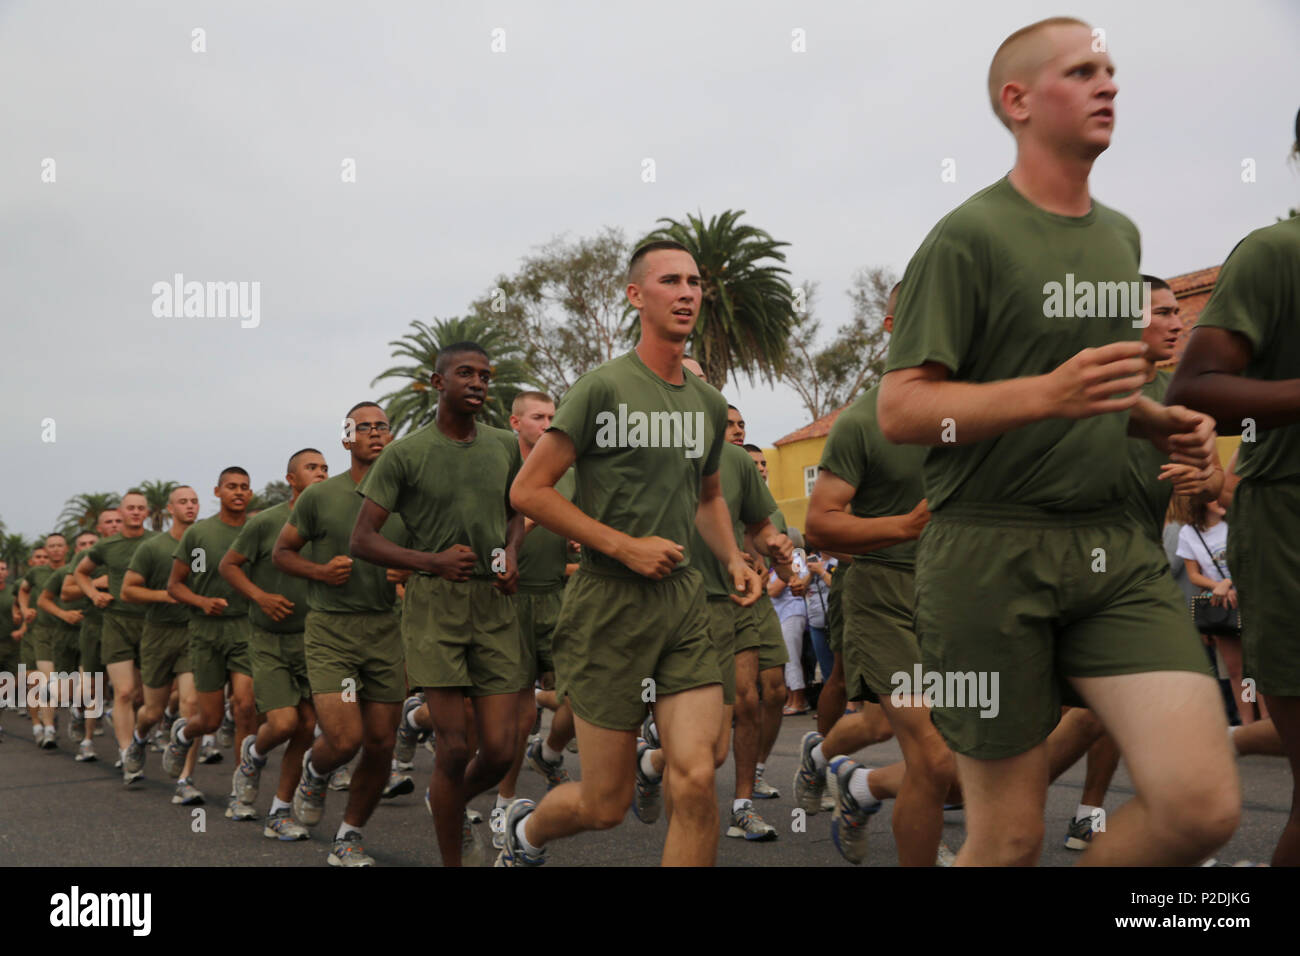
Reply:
x=1074, y=843
x=833, y=788
x=272, y=835
x=188, y=802
x=335, y=861
x=738, y=833
x=405, y=787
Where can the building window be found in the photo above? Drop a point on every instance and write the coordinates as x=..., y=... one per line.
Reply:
x=809, y=479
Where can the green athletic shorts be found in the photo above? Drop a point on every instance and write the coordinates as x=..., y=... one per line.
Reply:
x=835, y=610
x=359, y=654
x=67, y=648
x=120, y=638
x=538, y=612
x=722, y=631
x=879, y=642
x=11, y=653
x=622, y=642
x=463, y=634
x=1264, y=558
x=1010, y=601
x=164, y=653
x=218, y=648
x=279, y=669
x=747, y=636
x=92, y=629
x=26, y=652
x=41, y=638
x=771, y=643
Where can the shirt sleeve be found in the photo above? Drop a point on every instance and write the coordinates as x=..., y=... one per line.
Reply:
x=182, y=550
x=714, y=457
x=756, y=501
x=245, y=542
x=939, y=302
x=1186, y=548
x=96, y=554
x=845, y=454
x=578, y=410
x=383, y=482
x=303, y=515
x=1243, y=297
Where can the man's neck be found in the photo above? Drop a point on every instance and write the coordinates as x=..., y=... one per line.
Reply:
x=1052, y=181
x=525, y=449
x=455, y=425
x=132, y=532
x=232, y=518
x=178, y=530
x=663, y=357
x=358, y=470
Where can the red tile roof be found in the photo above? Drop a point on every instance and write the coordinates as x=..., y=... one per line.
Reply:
x=818, y=429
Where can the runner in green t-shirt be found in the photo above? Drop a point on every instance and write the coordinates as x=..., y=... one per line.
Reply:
x=90, y=661
x=122, y=625
x=10, y=625
x=26, y=650
x=40, y=636
x=217, y=629
x=165, y=641
x=277, y=608
x=449, y=482
x=352, y=639
x=1242, y=365
x=646, y=438
x=1016, y=359
x=64, y=600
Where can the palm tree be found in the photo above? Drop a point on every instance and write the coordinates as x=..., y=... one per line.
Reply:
x=15, y=549
x=157, y=494
x=414, y=404
x=82, y=511
x=272, y=494
x=747, y=309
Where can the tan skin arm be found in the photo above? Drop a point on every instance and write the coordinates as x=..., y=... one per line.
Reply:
x=134, y=591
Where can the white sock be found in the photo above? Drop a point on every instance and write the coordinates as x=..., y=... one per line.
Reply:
x=647, y=767
x=861, y=788
x=311, y=769
x=169, y=713
x=738, y=804
x=551, y=756
x=181, y=738
x=135, y=734
x=1232, y=738
x=345, y=828
x=1084, y=812
x=503, y=802
x=819, y=758
x=277, y=805
x=523, y=840
x=257, y=757
x=209, y=740
x=392, y=766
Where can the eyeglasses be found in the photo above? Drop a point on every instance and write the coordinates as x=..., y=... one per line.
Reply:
x=365, y=428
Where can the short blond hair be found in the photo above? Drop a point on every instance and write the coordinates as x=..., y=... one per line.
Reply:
x=523, y=398
x=1020, y=57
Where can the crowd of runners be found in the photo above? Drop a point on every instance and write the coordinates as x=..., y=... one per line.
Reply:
x=996, y=506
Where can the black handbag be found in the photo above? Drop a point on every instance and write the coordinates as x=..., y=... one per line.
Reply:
x=1216, y=619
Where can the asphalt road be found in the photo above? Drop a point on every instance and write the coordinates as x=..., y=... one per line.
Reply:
x=56, y=812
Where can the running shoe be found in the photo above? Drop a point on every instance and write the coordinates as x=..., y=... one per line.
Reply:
x=849, y=827
x=158, y=738
x=762, y=789
x=472, y=852
x=572, y=746
x=946, y=857
x=236, y=809
x=133, y=757
x=554, y=773
x=650, y=732
x=474, y=815
x=398, y=784
x=430, y=744
x=173, y=759
x=513, y=854
x=186, y=794
x=747, y=824
x=226, y=732
x=85, y=752
x=341, y=779
x=247, y=778
x=648, y=801
x=1079, y=834
x=408, y=737
x=348, y=851
x=280, y=825
x=309, y=798
x=77, y=725
x=209, y=753
x=809, y=782
x=49, y=738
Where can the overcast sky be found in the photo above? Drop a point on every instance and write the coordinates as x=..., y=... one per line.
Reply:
x=226, y=165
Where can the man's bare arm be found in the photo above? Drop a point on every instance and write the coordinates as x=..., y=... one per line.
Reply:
x=832, y=525
x=1209, y=378
x=134, y=591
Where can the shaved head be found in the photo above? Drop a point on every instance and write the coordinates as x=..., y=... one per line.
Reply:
x=1021, y=56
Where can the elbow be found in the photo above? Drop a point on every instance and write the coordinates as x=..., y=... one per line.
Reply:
x=521, y=499
x=888, y=417
x=813, y=533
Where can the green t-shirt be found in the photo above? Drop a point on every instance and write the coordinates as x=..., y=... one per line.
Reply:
x=324, y=516
x=213, y=537
x=748, y=502
x=887, y=476
x=114, y=554
x=544, y=553
x=1002, y=289
x=153, y=562
x=256, y=541
x=1146, y=498
x=36, y=578
x=1257, y=295
x=54, y=585
x=642, y=445
x=448, y=492
x=777, y=518
x=8, y=598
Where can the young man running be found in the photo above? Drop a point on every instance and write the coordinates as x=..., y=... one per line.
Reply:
x=40, y=639
x=1242, y=364
x=91, y=659
x=217, y=629
x=647, y=441
x=123, y=624
x=1027, y=399
x=277, y=608
x=65, y=602
x=352, y=639
x=449, y=482
x=165, y=639
x=27, y=614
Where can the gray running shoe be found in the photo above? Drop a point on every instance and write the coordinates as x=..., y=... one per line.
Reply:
x=349, y=852
x=186, y=794
x=1079, y=834
x=554, y=773
x=747, y=824
x=472, y=852
x=945, y=857
x=77, y=725
x=226, y=732
x=648, y=801
x=86, y=752
x=209, y=753
x=49, y=738
x=572, y=746
x=133, y=757
x=158, y=738
x=474, y=815
x=341, y=779
x=512, y=854
x=398, y=784
x=309, y=798
x=173, y=759
x=849, y=826
x=237, y=810
x=764, y=790
x=650, y=732
x=407, y=738
x=281, y=825
x=99, y=729
x=809, y=782
x=247, y=778
x=430, y=744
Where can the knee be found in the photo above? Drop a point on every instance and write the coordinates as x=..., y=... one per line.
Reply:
x=1020, y=845
x=746, y=703
x=453, y=752
x=497, y=757
x=605, y=811
x=282, y=723
x=1200, y=815
x=773, y=688
x=938, y=765
x=243, y=709
x=692, y=786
